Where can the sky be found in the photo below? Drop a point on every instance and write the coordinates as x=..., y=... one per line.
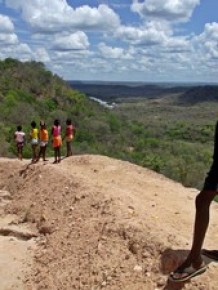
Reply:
x=111, y=40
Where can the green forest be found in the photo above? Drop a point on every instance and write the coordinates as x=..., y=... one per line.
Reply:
x=164, y=135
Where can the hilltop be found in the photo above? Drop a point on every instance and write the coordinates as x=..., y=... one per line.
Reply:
x=200, y=94
x=93, y=222
x=163, y=131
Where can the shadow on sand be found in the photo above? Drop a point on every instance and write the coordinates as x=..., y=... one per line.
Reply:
x=170, y=260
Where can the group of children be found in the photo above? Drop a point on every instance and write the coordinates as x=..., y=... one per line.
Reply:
x=40, y=137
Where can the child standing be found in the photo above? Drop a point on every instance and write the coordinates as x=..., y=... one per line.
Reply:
x=43, y=137
x=19, y=137
x=69, y=135
x=34, y=135
x=57, y=140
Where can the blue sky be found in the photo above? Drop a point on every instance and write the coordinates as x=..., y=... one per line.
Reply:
x=111, y=40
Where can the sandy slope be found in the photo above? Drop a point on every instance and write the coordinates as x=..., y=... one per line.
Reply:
x=100, y=223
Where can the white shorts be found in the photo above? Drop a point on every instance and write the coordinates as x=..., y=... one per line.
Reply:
x=43, y=143
x=34, y=141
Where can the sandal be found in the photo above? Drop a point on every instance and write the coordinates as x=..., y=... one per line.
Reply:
x=183, y=275
x=212, y=254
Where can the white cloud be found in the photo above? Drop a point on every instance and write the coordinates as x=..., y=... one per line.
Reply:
x=6, y=25
x=170, y=10
x=20, y=51
x=95, y=42
x=7, y=35
x=46, y=17
x=68, y=56
x=150, y=34
x=177, y=44
x=102, y=18
x=83, y=67
x=41, y=55
x=113, y=52
x=23, y=48
x=8, y=39
x=74, y=41
x=9, y=42
x=207, y=42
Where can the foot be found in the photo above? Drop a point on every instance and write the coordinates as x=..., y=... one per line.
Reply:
x=212, y=254
x=55, y=162
x=182, y=274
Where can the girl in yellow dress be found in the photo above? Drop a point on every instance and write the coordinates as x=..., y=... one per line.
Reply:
x=34, y=135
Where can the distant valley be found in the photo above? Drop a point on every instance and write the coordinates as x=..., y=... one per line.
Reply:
x=119, y=92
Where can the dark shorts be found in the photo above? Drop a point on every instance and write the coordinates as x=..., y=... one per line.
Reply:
x=211, y=181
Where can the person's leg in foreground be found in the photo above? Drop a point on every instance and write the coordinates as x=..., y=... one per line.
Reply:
x=194, y=265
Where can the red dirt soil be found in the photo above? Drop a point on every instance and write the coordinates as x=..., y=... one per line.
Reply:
x=93, y=222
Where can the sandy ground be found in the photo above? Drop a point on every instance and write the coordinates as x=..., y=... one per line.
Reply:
x=92, y=222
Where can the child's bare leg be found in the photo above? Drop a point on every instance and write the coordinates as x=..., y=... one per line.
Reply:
x=69, y=149
x=56, y=154
x=19, y=153
x=39, y=155
x=34, y=157
x=43, y=152
x=59, y=154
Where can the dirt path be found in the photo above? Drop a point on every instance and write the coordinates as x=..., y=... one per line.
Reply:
x=15, y=249
x=102, y=224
